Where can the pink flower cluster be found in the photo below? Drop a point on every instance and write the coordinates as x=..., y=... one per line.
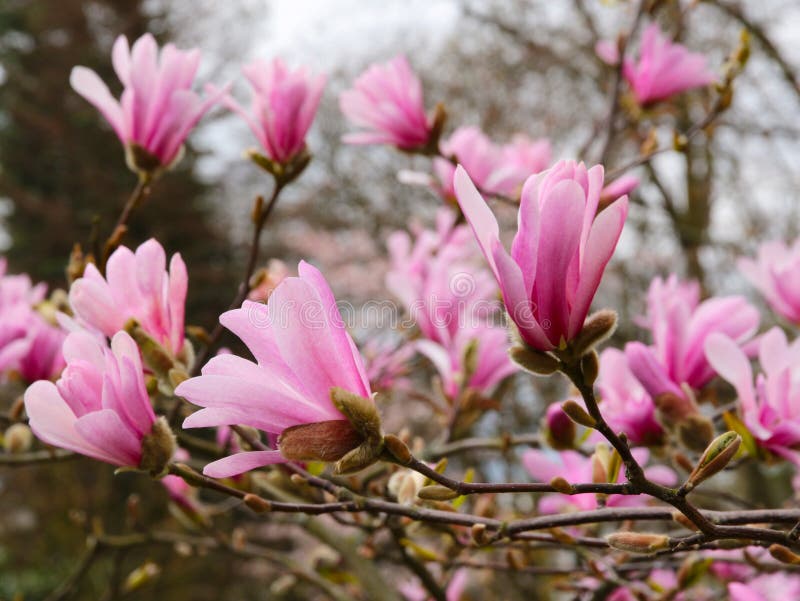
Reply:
x=775, y=272
x=29, y=345
x=493, y=168
x=680, y=324
x=548, y=281
x=451, y=299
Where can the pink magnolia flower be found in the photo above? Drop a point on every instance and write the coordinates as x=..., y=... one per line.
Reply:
x=302, y=351
x=41, y=358
x=680, y=324
x=492, y=364
x=664, y=68
x=268, y=279
x=439, y=279
x=387, y=362
x=776, y=274
x=771, y=408
x=283, y=106
x=559, y=253
x=767, y=587
x=625, y=404
x=158, y=108
x=413, y=590
x=618, y=188
x=18, y=289
x=493, y=168
x=575, y=468
x=99, y=407
x=137, y=286
x=387, y=101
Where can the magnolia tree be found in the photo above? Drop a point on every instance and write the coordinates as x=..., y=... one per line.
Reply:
x=368, y=450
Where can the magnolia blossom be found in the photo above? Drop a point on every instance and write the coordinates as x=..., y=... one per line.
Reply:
x=387, y=101
x=493, y=168
x=776, y=274
x=99, y=407
x=158, y=108
x=29, y=344
x=452, y=300
x=664, y=68
x=490, y=362
x=679, y=325
x=618, y=188
x=779, y=586
x=576, y=468
x=283, y=106
x=136, y=286
x=302, y=351
x=771, y=408
x=559, y=253
x=625, y=404
x=387, y=362
x=439, y=279
x=414, y=591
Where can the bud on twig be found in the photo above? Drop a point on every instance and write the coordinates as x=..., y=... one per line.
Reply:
x=533, y=361
x=397, y=448
x=256, y=503
x=157, y=449
x=590, y=367
x=561, y=485
x=437, y=492
x=597, y=327
x=578, y=414
x=716, y=457
x=638, y=542
x=18, y=438
x=479, y=534
x=784, y=555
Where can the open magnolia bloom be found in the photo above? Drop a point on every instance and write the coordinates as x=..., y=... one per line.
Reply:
x=137, y=286
x=100, y=407
x=308, y=384
x=559, y=253
x=157, y=109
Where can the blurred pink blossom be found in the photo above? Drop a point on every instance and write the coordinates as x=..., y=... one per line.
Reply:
x=413, y=590
x=386, y=100
x=267, y=280
x=771, y=408
x=576, y=468
x=559, y=253
x=283, y=106
x=99, y=407
x=494, y=169
x=387, y=362
x=158, y=108
x=137, y=286
x=625, y=404
x=664, y=68
x=679, y=325
x=779, y=586
x=302, y=350
x=776, y=274
x=618, y=188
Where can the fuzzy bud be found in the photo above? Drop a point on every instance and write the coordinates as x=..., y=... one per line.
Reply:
x=405, y=485
x=598, y=327
x=18, y=438
x=157, y=448
x=560, y=428
x=784, y=555
x=397, y=448
x=578, y=414
x=590, y=367
x=637, y=542
x=479, y=534
x=256, y=503
x=714, y=459
x=561, y=485
x=436, y=492
x=533, y=361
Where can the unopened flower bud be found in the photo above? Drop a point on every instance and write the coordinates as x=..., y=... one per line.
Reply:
x=479, y=534
x=578, y=414
x=597, y=328
x=18, y=438
x=157, y=448
x=784, y=555
x=560, y=428
x=141, y=162
x=155, y=356
x=321, y=441
x=405, y=485
x=590, y=367
x=714, y=459
x=533, y=361
x=397, y=448
x=638, y=542
x=684, y=521
x=436, y=492
x=256, y=503
x=561, y=485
